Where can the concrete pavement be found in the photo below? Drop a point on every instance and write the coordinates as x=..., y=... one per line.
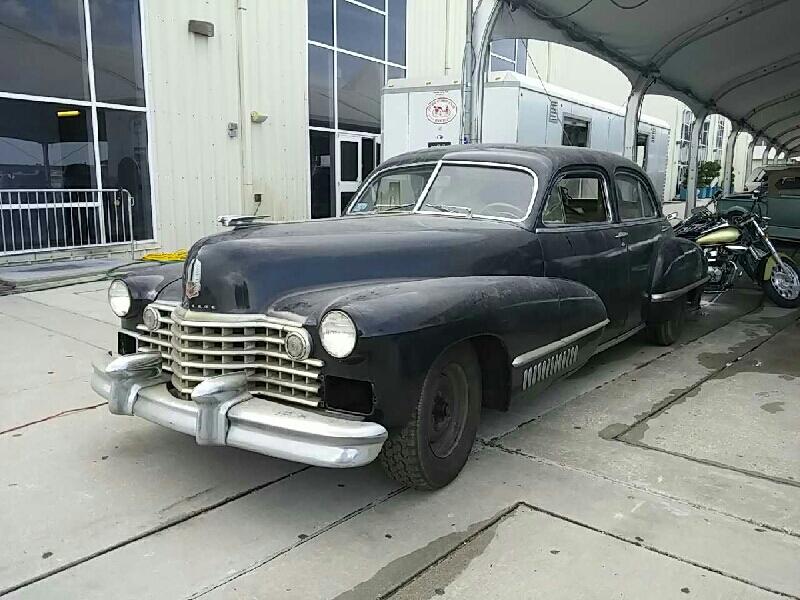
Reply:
x=652, y=472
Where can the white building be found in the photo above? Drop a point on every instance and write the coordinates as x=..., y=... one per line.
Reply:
x=203, y=108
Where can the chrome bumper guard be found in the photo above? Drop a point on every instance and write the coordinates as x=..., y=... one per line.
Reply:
x=223, y=413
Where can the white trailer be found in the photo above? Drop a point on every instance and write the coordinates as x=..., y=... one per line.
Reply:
x=517, y=109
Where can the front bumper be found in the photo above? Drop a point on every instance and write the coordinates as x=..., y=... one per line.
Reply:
x=223, y=413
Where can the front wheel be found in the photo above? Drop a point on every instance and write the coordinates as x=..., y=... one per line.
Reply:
x=432, y=448
x=783, y=285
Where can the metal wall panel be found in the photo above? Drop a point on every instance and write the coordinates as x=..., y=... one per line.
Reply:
x=193, y=96
x=277, y=81
x=195, y=92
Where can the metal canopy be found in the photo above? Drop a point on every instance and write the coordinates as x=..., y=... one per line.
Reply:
x=740, y=59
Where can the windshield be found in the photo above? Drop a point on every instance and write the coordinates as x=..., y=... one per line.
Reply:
x=396, y=190
x=484, y=191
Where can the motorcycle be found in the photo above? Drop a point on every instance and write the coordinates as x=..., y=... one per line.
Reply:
x=738, y=242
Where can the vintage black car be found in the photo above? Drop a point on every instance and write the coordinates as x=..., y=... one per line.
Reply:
x=460, y=277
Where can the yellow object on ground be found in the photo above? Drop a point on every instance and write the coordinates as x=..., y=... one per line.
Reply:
x=177, y=255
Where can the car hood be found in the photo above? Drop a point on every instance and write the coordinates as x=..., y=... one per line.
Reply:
x=248, y=269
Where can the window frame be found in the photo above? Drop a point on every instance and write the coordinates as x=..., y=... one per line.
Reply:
x=658, y=212
x=575, y=170
x=383, y=171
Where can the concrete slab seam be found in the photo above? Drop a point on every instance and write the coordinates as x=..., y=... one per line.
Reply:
x=61, y=333
x=140, y=536
x=638, y=488
x=300, y=542
x=63, y=413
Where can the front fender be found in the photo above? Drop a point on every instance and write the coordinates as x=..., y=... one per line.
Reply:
x=148, y=282
x=404, y=325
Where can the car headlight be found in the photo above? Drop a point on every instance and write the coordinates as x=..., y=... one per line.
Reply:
x=119, y=297
x=337, y=332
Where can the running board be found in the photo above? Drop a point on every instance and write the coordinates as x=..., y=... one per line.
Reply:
x=619, y=339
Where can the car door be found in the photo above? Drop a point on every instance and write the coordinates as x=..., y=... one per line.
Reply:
x=641, y=219
x=580, y=240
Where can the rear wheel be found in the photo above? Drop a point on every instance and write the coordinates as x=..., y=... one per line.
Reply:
x=431, y=449
x=783, y=285
x=666, y=333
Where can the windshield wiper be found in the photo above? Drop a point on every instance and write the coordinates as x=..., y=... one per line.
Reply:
x=450, y=208
x=397, y=207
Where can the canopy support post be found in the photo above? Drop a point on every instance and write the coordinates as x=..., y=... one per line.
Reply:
x=476, y=62
x=748, y=163
x=694, y=149
x=727, y=169
x=766, y=160
x=633, y=109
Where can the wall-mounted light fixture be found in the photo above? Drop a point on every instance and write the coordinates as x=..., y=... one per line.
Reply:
x=204, y=28
x=257, y=117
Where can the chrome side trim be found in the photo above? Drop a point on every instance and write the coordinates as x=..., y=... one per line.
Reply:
x=667, y=296
x=537, y=353
x=619, y=339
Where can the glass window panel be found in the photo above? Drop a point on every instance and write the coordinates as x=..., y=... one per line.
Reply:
x=117, y=51
x=500, y=64
x=320, y=86
x=360, y=30
x=40, y=149
x=322, y=175
x=394, y=191
x=576, y=199
x=480, y=191
x=359, y=92
x=349, y=161
x=367, y=156
x=320, y=21
x=43, y=45
x=395, y=73
x=505, y=48
x=122, y=137
x=575, y=133
x=397, y=31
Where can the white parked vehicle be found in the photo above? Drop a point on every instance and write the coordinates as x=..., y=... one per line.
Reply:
x=420, y=113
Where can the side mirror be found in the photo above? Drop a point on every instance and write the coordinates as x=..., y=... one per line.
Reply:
x=757, y=193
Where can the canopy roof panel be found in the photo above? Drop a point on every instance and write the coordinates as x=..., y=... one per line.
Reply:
x=738, y=58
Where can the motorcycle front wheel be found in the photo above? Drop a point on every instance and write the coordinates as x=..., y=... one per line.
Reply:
x=783, y=285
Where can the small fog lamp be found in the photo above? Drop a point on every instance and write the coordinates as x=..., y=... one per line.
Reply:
x=298, y=344
x=151, y=318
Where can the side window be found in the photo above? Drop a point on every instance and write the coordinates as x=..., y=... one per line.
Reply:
x=576, y=199
x=634, y=198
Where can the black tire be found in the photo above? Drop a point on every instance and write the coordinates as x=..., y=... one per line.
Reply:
x=666, y=333
x=786, y=298
x=432, y=448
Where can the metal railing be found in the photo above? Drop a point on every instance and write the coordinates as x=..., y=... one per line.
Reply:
x=44, y=220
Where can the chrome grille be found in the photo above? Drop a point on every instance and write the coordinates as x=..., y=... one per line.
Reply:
x=196, y=346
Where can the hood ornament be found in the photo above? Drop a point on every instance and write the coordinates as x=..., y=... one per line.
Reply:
x=193, y=275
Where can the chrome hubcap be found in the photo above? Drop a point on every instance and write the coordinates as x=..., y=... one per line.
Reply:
x=786, y=282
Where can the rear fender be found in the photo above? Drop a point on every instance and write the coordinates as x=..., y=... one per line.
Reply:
x=679, y=269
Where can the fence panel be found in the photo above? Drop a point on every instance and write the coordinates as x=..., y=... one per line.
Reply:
x=42, y=220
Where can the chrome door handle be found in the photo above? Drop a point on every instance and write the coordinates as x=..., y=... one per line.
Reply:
x=621, y=234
